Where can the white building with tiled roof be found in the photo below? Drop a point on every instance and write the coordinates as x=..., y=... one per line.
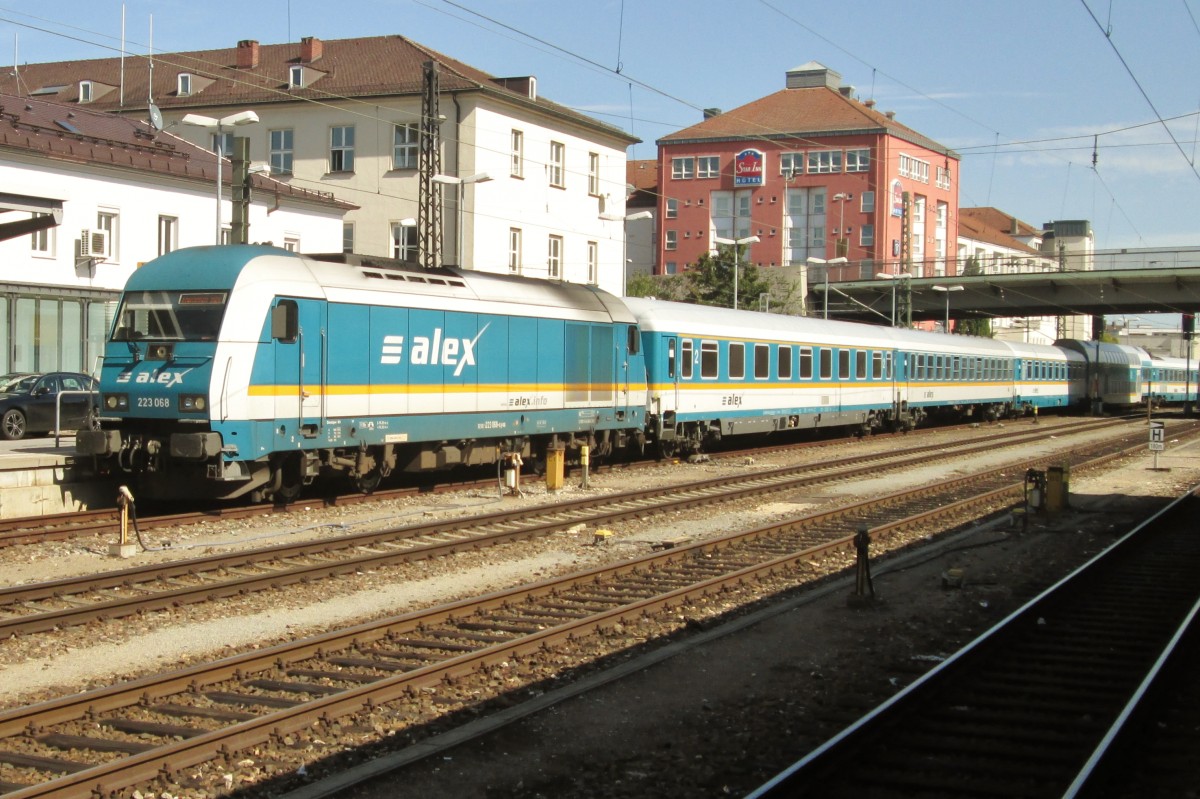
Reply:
x=344, y=115
x=85, y=197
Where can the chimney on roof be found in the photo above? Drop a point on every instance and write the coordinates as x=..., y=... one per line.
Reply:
x=1016, y=228
x=247, y=54
x=847, y=91
x=869, y=103
x=709, y=113
x=890, y=114
x=525, y=85
x=311, y=49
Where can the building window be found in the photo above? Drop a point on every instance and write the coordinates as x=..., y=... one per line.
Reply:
x=42, y=240
x=281, y=151
x=514, y=250
x=867, y=202
x=184, y=86
x=866, y=235
x=683, y=168
x=341, y=148
x=594, y=174
x=405, y=146
x=791, y=164
x=222, y=143
x=296, y=76
x=85, y=91
x=672, y=267
x=558, y=160
x=517, y=158
x=404, y=241
x=168, y=234
x=554, y=256
x=708, y=166
x=226, y=235
x=914, y=168
x=291, y=243
x=825, y=162
x=593, y=255
x=109, y=221
x=858, y=160
x=672, y=208
x=671, y=239
x=943, y=177
x=347, y=237
x=730, y=214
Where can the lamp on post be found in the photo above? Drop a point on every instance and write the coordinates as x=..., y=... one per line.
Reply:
x=736, y=244
x=826, y=263
x=946, y=290
x=841, y=198
x=623, y=218
x=233, y=120
x=895, y=279
x=458, y=183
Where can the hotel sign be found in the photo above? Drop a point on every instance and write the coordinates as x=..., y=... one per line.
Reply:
x=748, y=168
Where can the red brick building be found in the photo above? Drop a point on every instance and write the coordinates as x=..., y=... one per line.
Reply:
x=813, y=173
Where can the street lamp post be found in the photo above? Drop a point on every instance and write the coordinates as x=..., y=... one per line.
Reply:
x=458, y=183
x=814, y=262
x=736, y=244
x=623, y=218
x=841, y=198
x=233, y=120
x=895, y=279
x=946, y=290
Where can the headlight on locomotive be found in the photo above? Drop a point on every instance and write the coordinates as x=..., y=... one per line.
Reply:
x=116, y=402
x=192, y=403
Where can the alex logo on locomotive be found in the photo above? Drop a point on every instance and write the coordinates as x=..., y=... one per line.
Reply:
x=433, y=351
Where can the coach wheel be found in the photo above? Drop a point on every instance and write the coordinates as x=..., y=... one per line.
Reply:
x=667, y=449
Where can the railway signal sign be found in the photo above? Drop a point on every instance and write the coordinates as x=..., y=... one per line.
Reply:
x=1157, y=436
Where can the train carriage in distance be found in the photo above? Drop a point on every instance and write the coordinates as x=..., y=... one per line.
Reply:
x=716, y=372
x=1047, y=376
x=1112, y=372
x=252, y=370
x=1169, y=380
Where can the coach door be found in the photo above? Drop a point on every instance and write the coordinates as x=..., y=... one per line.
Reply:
x=298, y=331
x=901, y=374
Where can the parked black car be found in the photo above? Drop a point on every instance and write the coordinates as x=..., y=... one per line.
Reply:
x=28, y=403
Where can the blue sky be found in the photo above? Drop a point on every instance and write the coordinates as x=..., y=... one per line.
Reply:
x=1022, y=89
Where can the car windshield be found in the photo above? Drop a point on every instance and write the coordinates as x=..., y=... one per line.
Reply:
x=170, y=315
x=14, y=384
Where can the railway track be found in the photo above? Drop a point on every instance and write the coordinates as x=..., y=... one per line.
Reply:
x=289, y=703
x=106, y=521
x=1054, y=701
x=41, y=607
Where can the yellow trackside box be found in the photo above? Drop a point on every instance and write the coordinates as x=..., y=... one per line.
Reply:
x=555, y=462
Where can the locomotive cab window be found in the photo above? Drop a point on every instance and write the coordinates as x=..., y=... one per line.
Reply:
x=285, y=321
x=635, y=340
x=170, y=315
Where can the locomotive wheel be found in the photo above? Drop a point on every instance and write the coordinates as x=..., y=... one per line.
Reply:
x=368, y=482
x=287, y=476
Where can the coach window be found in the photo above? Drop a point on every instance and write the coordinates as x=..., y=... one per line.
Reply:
x=635, y=340
x=806, y=363
x=783, y=362
x=887, y=366
x=708, y=360
x=860, y=364
x=685, y=359
x=737, y=361
x=671, y=358
x=843, y=364
x=877, y=365
x=762, y=361
x=918, y=370
x=826, y=363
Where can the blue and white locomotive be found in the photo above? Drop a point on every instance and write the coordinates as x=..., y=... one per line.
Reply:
x=247, y=370
x=250, y=370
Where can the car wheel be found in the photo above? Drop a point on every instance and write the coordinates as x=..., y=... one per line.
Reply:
x=12, y=425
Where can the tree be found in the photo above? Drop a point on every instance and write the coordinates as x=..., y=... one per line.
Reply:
x=711, y=279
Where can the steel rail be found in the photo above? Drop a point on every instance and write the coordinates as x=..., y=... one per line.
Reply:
x=178, y=755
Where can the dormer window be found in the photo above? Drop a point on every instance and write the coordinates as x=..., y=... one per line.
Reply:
x=85, y=91
x=296, y=77
x=185, y=84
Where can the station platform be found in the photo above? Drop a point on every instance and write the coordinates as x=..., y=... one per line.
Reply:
x=38, y=477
